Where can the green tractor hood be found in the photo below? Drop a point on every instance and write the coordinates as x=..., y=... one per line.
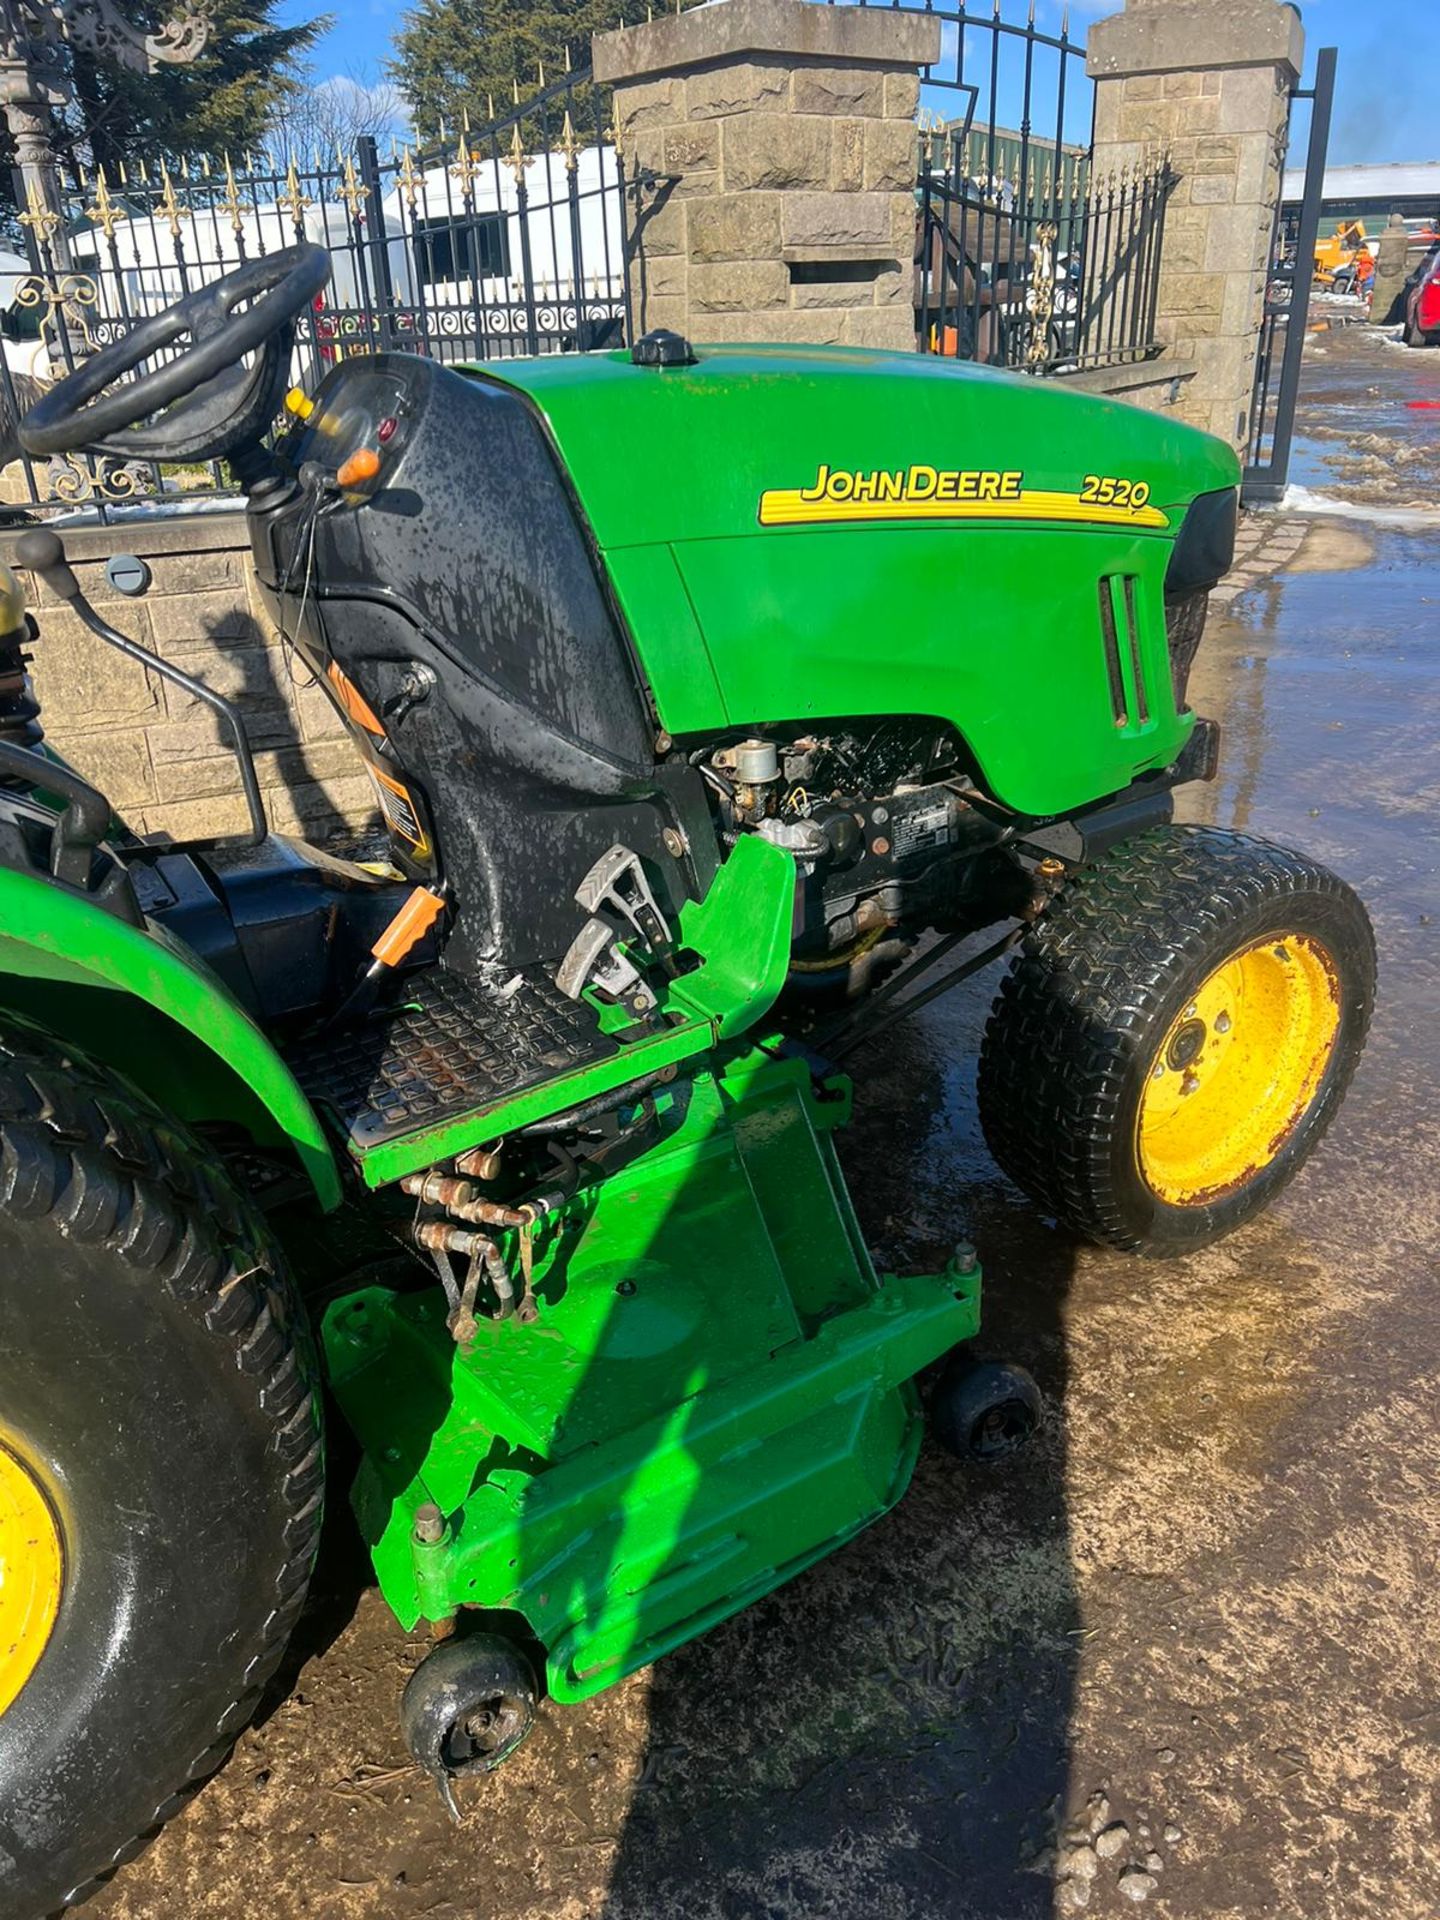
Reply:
x=797, y=532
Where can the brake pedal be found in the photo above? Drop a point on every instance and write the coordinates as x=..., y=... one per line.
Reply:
x=617, y=883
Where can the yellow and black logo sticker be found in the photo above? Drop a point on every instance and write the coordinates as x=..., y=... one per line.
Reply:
x=841, y=494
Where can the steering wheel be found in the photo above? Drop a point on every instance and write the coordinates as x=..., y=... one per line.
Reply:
x=206, y=400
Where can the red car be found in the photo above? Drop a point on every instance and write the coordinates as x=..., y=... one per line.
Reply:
x=1422, y=303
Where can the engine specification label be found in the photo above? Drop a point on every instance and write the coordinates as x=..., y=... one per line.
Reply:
x=921, y=831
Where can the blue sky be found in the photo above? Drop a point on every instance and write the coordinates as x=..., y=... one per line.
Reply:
x=1386, y=95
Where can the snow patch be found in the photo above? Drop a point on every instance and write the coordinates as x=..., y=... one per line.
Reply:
x=1308, y=500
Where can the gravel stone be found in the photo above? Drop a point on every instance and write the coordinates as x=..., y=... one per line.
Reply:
x=1079, y=1863
x=1136, y=1884
x=1112, y=1840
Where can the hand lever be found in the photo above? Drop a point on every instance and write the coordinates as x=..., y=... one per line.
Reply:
x=43, y=552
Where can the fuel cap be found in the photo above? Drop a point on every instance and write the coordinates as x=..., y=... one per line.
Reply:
x=662, y=348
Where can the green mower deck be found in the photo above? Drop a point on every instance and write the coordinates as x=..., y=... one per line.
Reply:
x=716, y=1393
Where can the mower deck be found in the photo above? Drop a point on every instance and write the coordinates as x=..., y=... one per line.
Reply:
x=716, y=1392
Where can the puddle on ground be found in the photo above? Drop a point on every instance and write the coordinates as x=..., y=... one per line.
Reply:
x=1330, y=548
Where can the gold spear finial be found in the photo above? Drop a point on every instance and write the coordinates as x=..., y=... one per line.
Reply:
x=231, y=200
x=294, y=198
x=40, y=216
x=410, y=181
x=168, y=206
x=464, y=171
x=351, y=191
x=104, y=212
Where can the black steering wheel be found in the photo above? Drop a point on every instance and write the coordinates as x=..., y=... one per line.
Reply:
x=206, y=400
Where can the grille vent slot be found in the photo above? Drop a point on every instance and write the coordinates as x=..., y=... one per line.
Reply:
x=1120, y=637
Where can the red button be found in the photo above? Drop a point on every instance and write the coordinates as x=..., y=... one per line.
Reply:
x=385, y=432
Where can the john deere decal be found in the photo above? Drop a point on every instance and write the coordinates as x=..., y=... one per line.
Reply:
x=956, y=493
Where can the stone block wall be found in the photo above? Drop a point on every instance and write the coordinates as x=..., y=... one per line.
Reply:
x=153, y=750
x=781, y=135
x=1205, y=81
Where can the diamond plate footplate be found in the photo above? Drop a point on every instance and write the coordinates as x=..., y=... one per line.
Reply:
x=456, y=1046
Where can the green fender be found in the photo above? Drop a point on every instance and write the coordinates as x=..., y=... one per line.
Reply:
x=144, y=1004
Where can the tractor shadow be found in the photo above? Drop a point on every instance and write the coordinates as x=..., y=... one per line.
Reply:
x=889, y=1732
x=288, y=720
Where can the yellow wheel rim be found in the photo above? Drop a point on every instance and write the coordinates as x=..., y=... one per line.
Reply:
x=1238, y=1069
x=31, y=1567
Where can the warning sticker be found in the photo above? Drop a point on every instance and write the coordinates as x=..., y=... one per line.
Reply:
x=402, y=815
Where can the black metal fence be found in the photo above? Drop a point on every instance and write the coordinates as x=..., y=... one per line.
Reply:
x=515, y=236
x=1025, y=257
x=1048, y=271
x=507, y=238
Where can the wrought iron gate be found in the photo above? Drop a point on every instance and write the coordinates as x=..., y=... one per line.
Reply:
x=1025, y=256
x=507, y=237
x=1287, y=301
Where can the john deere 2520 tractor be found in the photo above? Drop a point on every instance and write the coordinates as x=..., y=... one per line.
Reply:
x=709, y=696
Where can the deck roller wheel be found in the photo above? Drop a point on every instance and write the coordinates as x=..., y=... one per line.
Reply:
x=985, y=1411
x=466, y=1708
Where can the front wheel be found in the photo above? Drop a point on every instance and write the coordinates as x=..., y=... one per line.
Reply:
x=1175, y=1035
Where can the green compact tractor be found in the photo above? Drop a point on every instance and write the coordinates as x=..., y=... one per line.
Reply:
x=711, y=698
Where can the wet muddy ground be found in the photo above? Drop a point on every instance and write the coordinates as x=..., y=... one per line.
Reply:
x=1187, y=1648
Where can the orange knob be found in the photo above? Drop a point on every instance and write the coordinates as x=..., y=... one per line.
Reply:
x=362, y=465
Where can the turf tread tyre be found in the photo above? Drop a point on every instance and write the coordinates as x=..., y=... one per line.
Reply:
x=1092, y=988
x=86, y=1152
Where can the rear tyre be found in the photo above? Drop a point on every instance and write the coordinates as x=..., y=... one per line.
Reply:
x=1174, y=1036
x=160, y=1448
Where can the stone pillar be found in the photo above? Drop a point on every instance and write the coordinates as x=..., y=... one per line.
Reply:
x=1205, y=81
x=782, y=136
x=1392, y=270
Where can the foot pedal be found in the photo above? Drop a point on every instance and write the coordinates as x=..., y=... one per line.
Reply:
x=622, y=908
x=616, y=885
x=595, y=960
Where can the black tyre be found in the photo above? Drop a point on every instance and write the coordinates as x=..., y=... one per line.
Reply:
x=160, y=1446
x=1174, y=1036
x=983, y=1411
x=467, y=1707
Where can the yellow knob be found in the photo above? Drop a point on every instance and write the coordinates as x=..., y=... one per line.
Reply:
x=298, y=402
